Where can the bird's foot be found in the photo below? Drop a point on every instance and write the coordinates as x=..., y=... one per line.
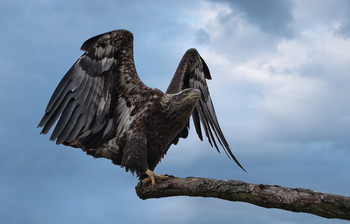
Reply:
x=152, y=177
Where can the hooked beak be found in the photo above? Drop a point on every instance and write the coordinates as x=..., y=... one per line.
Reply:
x=194, y=94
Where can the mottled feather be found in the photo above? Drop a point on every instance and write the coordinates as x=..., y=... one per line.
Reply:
x=84, y=101
x=192, y=72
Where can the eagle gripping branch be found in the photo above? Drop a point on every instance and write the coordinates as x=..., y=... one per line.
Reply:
x=268, y=196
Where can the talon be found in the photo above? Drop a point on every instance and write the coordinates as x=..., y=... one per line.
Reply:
x=152, y=177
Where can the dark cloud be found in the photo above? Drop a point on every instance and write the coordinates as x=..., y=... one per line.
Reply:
x=271, y=16
x=202, y=37
x=344, y=29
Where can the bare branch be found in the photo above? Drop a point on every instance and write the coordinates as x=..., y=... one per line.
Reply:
x=268, y=196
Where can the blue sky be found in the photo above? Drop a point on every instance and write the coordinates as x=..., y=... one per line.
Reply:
x=280, y=88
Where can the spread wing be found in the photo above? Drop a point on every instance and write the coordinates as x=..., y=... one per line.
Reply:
x=84, y=102
x=192, y=72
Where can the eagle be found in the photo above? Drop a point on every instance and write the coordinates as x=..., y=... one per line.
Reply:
x=103, y=107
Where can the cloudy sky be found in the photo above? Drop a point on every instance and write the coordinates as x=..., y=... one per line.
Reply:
x=280, y=88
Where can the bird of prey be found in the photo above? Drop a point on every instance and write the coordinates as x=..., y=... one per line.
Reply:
x=104, y=108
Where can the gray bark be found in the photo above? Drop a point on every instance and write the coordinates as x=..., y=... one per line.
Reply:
x=268, y=196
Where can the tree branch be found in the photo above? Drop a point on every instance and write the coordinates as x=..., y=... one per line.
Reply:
x=268, y=196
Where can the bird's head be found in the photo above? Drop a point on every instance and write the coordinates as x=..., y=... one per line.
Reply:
x=183, y=101
x=191, y=95
x=187, y=97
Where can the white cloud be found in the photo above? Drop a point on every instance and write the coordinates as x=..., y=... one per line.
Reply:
x=298, y=86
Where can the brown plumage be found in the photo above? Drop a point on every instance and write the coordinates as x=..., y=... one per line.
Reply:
x=104, y=108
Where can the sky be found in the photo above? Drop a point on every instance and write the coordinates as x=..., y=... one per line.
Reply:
x=280, y=88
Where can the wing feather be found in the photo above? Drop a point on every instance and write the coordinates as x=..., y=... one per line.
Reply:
x=192, y=72
x=83, y=104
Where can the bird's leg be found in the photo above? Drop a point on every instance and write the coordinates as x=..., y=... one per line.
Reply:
x=152, y=177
